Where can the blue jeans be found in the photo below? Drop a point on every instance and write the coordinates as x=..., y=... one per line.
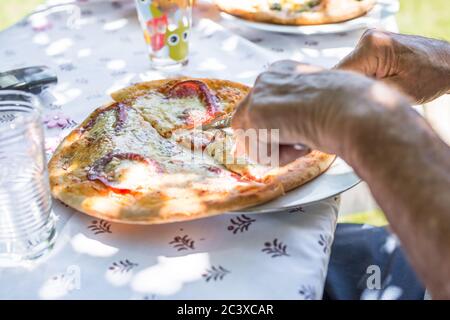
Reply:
x=368, y=263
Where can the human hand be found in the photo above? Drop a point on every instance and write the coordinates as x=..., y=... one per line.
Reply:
x=323, y=109
x=417, y=66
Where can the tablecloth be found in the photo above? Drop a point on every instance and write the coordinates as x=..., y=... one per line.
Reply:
x=96, y=47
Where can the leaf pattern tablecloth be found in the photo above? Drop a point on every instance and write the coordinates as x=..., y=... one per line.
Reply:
x=96, y=47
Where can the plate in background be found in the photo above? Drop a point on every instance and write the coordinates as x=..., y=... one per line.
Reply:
x=371, y=19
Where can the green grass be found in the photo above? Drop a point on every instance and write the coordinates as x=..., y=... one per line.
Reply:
x=12, y=11
x=375, y=218
x=429, y=18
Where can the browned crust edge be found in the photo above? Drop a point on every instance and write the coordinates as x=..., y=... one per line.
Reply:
x=155, y=214
x=306, y=18
x=303, y=169
x=136, y=90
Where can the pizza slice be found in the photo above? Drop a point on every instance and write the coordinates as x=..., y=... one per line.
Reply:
x=221, y=146
x=183, y=103
x=218, y=145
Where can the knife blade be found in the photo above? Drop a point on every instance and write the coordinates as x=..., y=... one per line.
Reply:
x=218, y=123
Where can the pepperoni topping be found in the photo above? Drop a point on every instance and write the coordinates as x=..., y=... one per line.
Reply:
x=195, y=88
x=214, y=169
x=97, y=171
x=121, y=117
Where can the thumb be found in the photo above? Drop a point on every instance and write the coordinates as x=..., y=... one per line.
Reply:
x=353, y=62
x=239, y=118
x=290, y=67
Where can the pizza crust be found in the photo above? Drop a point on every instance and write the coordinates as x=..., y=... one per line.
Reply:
x=330, y=11
x=303, y=169
x=229, y=91
x=95, y=200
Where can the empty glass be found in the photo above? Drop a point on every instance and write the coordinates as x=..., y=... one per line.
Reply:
x=26, y=222
x=166, y=25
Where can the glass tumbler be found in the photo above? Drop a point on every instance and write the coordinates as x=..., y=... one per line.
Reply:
x=166, y=25
x=27, y=224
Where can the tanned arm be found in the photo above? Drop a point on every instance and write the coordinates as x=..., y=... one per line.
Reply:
x=407, y=167
x=374, y=129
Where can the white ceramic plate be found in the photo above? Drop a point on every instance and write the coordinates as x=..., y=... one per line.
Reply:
x=371, y=19
x=337, y=179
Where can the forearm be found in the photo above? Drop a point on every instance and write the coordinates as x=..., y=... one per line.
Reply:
x=407, y=168
x=440, y=73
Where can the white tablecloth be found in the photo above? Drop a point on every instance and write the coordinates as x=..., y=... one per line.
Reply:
x=97, y=47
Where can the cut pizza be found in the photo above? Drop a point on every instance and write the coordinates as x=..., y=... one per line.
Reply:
x=144, y=159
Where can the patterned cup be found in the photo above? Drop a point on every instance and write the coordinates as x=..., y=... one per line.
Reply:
x=166, y=25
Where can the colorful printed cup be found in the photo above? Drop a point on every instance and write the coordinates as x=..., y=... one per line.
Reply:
x=166, y=25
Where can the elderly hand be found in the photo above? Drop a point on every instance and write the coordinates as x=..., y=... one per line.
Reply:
x=373, y=128
x=320, y=108
x=418, y=66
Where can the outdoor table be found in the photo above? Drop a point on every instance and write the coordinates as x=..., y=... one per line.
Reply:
x=96, y=47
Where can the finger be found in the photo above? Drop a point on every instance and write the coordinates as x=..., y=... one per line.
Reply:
x=371, y=55
x=352, y=62
x=289, y=153
x=248, y=146
x=291, y=66
x=355, y=60
x=308, y=68
x=284, y=66
x=274, y=155
x=245, y=146
x=239, y=118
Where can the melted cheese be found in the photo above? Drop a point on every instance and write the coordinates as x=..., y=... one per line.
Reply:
x=182, y=168
x=132, y=175
x=292, y=6
x=202, y=171
x=150, y=117
x=168, y=114
x=220, y=146
x=223, y=150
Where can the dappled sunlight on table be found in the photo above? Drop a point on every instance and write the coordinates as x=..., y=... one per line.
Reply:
x=82, y=244
x=171, y=274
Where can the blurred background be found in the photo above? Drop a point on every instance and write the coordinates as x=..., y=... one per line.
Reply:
x=429, y=18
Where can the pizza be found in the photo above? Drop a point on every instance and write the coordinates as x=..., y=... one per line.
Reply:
x=143, y=158
x=297, y=12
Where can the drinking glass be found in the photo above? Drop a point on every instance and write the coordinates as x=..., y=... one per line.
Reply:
x=166, y=25
x=27, y=224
